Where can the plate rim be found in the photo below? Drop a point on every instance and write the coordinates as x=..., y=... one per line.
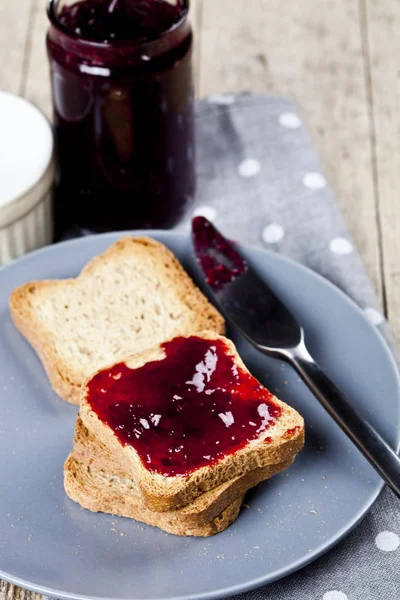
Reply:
x=302, y=562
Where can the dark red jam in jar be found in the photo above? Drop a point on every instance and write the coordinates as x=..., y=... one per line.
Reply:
x=185, y=411
x=123, y=110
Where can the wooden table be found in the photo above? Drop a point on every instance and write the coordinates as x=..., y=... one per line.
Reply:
x=339, y=60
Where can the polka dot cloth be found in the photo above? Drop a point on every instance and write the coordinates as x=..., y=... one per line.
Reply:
x=208, y=212
x=222, y=99
x=340, y=245
x=314, y=181
x=335, y=595
x=387, y=541
x=250, y=167
x=375, y=317
x=273, y=233
x=289, y=120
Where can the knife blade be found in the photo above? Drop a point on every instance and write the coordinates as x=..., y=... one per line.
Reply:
x=263, y=319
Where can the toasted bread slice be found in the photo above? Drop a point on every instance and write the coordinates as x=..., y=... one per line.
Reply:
x=99, y=492
x=126, y=300
x=277, y=442
x=97, y=458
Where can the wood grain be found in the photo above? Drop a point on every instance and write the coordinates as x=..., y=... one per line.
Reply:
x=36, y=83
x=15, y=39
x=15, y=31
x=13, y=592
x=196, y=18
x=382, y=26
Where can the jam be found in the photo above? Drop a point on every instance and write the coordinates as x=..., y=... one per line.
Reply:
x=108, y=21
x=185, y=411
x=291, y=432
x=123, y=113
x=218, y=259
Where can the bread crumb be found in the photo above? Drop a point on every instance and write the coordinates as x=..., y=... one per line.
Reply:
x=220, y=556
x=313, y=511
x=245, y=505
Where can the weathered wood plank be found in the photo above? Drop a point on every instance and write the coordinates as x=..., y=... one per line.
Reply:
x=12, y=592
x=14, y=29
x=15, y=38
x=382, y=25
x=311, y=51
x=196, y=17
x=36, y=85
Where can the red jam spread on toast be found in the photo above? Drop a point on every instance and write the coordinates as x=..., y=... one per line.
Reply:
x=291, y=432
x=220, y=262
x=185, y=411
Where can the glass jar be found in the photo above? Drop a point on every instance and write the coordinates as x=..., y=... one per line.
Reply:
x=123, y=116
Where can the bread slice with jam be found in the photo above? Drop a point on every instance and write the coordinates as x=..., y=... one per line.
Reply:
x=186, y=417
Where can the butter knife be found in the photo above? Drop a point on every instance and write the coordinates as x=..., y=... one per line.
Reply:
x=255, y=310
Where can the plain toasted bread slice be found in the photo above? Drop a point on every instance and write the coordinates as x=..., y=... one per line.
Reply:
x=126, y=300
x=279, y=443
x=99, y=492
x=95, y=456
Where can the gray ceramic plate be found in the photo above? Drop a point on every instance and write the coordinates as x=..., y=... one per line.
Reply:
x=50, y=545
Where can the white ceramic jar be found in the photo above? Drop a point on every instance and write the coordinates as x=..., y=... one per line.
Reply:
x=27, y=171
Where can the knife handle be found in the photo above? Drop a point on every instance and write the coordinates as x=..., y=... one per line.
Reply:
x=381, y=456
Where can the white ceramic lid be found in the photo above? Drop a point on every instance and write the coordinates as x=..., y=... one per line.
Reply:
x=26, y=147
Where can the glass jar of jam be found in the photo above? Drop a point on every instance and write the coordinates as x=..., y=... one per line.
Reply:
x=123, y=112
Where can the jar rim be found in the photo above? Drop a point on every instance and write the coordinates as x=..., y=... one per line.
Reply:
x=117, y=43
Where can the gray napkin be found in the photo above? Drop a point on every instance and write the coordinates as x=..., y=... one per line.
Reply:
x=261, y=182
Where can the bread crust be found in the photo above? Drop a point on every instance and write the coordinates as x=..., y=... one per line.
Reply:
x=40, y=310
x=96, y=457
x=82, y=486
